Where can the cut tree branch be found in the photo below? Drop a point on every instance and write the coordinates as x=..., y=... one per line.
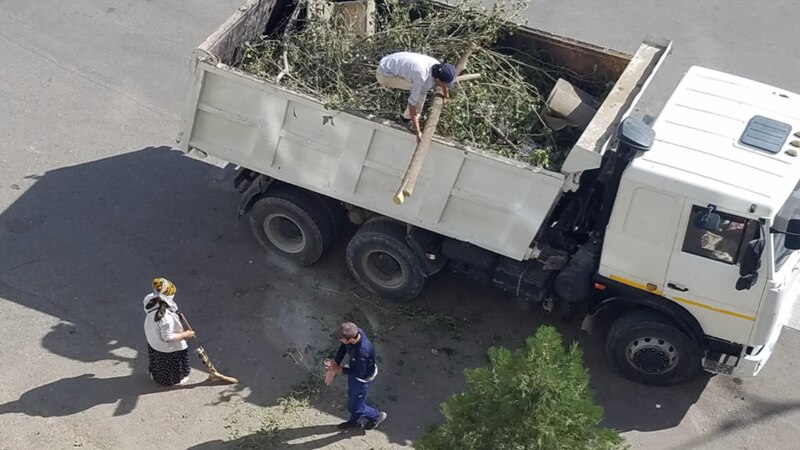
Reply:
x=286, y=32
x=500, y=134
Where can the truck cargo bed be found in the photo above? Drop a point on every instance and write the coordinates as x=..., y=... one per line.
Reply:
x=493, y=202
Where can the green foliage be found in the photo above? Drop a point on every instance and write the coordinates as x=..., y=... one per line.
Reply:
x=533, y=398
x=501, y=112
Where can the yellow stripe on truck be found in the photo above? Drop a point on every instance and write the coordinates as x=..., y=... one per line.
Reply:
x=632, y=283
x=682, y=300
x=711, y=308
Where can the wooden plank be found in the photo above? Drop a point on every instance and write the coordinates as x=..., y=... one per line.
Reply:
x=407, y=185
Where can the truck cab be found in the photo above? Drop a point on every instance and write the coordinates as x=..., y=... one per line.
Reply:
x=702, y=228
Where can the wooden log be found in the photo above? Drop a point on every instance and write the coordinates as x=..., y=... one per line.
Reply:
x=286, y=32
x=410, y=178
x=468, y=77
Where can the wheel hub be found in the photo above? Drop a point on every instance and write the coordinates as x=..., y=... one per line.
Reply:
x=386, y=264
x=284, y=233
x=384, y=269
x=652, y=355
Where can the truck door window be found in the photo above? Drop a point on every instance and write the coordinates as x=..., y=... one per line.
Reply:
x=723, y=244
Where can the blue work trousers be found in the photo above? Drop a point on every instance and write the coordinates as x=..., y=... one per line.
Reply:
x=357, y=401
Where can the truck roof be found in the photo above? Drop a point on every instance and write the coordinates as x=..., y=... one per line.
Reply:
x=724, y=139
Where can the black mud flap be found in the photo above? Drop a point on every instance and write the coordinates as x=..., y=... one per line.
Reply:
x=427, y=246
x=256, y=187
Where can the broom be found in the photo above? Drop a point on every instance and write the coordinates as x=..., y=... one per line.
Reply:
x=201, y=352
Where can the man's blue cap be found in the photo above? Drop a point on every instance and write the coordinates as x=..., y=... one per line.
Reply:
x=445, y=72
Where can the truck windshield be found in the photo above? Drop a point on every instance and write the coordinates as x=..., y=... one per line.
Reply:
x=790, y=210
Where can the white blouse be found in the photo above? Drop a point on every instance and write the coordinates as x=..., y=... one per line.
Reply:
x=160, y=334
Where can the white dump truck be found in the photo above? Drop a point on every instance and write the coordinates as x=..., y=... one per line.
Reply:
x=680, y=236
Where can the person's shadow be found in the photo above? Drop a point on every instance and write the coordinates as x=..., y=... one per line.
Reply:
x=76, y=342
x=69, y=396
x=323, y=435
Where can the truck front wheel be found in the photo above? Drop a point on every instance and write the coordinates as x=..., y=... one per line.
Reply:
x=294, y=224
x=647, y=347
x=381, y=261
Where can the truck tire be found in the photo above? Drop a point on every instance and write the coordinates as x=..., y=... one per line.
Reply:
x=293, y=223
x=647, y=347
x=382, y=262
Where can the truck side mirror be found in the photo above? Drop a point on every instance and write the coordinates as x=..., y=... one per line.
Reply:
x=746, y=282
x=709, y=220
x=636, y=135
x=751, y=262
x=792, y=241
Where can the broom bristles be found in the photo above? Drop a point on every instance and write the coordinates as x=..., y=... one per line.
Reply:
x=214, y=373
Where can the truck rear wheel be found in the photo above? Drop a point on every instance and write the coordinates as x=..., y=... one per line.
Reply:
x=647, y=347
x=293, y=223
x=381, y=261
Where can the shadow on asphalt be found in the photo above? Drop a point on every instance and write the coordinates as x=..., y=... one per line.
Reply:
x=627, y=405
x=632, y=406
x=762, y=411
x=83, y=242
x=73, y=395
x=321, y=436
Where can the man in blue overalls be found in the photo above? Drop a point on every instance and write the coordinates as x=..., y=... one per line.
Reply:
x=360, y=373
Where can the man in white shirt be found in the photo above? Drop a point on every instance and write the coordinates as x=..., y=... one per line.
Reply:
x=416, y=73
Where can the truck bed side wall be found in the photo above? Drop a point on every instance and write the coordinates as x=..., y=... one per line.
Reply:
x=579, y=57
x=248, y=23
x=471, y=196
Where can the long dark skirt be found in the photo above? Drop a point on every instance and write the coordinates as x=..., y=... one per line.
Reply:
x=168, y=369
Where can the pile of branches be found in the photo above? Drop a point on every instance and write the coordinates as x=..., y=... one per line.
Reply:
x=500, y=112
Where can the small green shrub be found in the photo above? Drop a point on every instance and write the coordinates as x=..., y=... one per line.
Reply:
x=533, y=398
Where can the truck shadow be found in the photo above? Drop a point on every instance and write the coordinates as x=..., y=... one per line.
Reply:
x=83, y=242
x=81, y=245
x=490, y=318
x=632, y=406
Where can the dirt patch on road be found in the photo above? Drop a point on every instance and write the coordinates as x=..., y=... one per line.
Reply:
x=422, y=349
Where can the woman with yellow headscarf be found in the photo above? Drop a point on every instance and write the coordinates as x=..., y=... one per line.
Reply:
x=167, y=350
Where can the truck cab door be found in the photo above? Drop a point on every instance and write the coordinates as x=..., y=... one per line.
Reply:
x=704, y=269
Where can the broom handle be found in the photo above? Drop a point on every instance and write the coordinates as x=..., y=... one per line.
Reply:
x=201, y=351
x=185, y=322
